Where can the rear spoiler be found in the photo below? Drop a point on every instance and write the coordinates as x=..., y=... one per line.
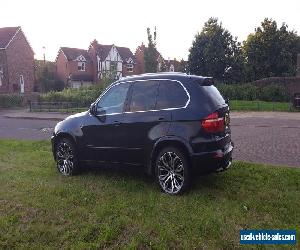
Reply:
x=207, y=81
x=203, y=81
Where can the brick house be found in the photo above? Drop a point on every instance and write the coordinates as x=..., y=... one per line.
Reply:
x=140, y=58
x=175, y=65
x=16, y=62
x=111, y=59
x=162, y=64
x=74, y=67
x=79, y=67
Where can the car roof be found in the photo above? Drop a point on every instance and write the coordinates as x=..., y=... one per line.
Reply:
x=164, y=75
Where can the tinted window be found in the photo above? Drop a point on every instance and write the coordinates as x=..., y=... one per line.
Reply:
x=214, y=94
x=113, y=100
x=171, y=95
x=143, y=96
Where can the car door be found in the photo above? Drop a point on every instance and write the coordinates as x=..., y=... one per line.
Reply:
x=142, y=124
x=102, y=133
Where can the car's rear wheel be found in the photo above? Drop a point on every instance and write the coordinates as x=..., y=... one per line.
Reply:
x=66, y=157
x=172, y=171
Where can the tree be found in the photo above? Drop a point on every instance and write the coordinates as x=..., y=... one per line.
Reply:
x=182, y=66
x=216, y=53
x=151, y=53
x=271, y=51
x=45, y=77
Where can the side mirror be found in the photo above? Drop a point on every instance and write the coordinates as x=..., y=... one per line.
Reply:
x=93, y=108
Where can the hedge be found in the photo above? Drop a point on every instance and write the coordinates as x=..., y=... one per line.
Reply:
x=251, y=92
x=83, y=96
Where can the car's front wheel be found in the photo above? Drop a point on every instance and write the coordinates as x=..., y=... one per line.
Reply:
x=66, y=158
x=172, y=171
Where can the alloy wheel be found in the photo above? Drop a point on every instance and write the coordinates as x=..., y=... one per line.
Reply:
x=65, y=158
x=170, y=172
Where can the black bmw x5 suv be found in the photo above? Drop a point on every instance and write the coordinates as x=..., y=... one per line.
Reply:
x=172, y=124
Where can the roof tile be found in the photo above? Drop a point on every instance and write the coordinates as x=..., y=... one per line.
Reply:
x=6, y=34
x=73, y=53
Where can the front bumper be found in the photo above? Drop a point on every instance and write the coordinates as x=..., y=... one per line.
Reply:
x=214, y=161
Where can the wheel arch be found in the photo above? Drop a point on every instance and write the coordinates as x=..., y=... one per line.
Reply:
x=167, y=142
x=61, y=135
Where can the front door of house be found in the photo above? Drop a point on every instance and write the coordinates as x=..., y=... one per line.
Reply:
x=22, y=87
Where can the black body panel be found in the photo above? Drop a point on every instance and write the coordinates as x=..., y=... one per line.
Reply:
x=133, y=137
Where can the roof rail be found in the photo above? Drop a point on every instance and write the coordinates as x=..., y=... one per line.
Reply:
x=151, y=74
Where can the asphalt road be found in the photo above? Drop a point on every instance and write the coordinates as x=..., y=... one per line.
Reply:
x=270, y=138
x=26, y=129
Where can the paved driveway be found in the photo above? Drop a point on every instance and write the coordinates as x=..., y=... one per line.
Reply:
x=262, y=137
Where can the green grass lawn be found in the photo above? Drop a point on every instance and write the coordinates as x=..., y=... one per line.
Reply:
x=260, y=106
x=122, y=209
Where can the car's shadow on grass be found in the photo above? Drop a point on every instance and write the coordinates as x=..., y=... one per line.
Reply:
x=118, y=171
x=199, y=181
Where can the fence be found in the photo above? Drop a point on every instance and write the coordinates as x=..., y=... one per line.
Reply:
x=67, y=107
x=9, y=101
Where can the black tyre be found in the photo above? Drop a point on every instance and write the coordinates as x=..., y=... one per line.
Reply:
x=172, y=171
x=66, y=157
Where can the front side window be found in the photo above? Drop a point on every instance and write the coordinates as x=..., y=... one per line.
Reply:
x=171, y=95
x=81, y=66
x=113, y=100
x=143, y=96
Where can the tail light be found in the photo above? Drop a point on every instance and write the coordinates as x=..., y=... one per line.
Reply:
x=213, y=123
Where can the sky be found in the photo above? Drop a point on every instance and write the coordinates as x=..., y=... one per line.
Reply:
x=72, y=23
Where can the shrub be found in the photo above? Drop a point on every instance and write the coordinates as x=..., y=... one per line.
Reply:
x=250, y=92
x=275, y=93
x=83, y=96
x=47, y=85
x=8, y=101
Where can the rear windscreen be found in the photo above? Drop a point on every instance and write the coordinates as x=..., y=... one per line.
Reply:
x=213, y=93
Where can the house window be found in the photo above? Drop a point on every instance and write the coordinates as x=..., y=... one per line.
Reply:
x=113, y=66
x=129, y=67
x=81, y=66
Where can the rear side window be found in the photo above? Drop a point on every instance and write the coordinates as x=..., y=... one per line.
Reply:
x=214, y=94
x=171, y=95
x=143, y=96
